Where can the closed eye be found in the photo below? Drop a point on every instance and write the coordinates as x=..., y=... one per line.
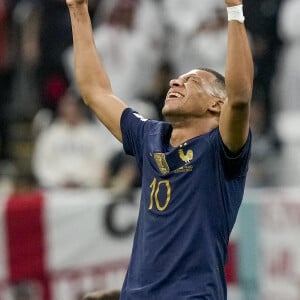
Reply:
x=193, y=79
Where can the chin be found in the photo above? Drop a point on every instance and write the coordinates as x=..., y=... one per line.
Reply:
x=170, y=108
x=166, y=111
x=171, y=114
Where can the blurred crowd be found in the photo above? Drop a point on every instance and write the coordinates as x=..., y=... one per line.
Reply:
x=143, y=44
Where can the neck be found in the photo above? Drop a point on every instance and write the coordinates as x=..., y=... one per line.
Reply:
x=184, y=129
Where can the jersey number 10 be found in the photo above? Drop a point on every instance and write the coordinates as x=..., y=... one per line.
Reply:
x=156, y=186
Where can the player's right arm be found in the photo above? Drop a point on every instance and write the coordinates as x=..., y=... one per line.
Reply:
x=91, y=76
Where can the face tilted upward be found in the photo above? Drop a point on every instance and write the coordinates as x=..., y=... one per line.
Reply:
x=190, y=94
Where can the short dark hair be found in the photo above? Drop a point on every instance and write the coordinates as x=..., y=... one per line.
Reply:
x=220, y=78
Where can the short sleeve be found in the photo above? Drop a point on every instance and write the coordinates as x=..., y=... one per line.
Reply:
x=235, y=164
x=133, y=128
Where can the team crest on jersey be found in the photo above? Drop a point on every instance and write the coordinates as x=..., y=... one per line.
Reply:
x=161, y=163
x=186, y=157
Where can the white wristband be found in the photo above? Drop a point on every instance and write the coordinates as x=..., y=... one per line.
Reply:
x=235, y=13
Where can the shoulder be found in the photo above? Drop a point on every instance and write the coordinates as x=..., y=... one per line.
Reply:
x=132, y=117
x=214, y=136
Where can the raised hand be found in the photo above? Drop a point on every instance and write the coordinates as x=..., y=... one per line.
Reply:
x=75, y=2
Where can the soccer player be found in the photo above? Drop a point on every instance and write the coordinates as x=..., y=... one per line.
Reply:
x=193, y=167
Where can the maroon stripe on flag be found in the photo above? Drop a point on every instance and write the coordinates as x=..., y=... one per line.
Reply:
x=231, y=267
x=25, y=239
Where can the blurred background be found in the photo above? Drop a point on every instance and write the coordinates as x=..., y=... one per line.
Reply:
x=68, y=194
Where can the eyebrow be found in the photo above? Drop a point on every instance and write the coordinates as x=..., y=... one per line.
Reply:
x=197, y=79
x=188, y=76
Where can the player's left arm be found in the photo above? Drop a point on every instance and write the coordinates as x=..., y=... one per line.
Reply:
x=234, y=118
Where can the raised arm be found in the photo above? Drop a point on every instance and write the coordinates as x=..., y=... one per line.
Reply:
x=234, y=119
x=91, y=76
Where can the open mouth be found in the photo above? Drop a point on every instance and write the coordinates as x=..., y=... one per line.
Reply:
x=174, y=95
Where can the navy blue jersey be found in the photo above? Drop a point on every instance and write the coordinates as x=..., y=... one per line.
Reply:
x=190, y=197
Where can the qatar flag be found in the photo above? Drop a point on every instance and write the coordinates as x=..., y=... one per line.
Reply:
x=57, y=245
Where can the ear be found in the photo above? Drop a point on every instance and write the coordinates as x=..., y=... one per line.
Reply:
x=216, y=106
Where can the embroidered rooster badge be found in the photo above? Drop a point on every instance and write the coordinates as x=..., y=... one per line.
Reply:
x=186, y=157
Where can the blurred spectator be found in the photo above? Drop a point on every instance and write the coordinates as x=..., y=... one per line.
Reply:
x=261, y=21
x=160, y=86
x=102, y=11
x=126, y=50
x=287, y=87
x=288, y=83
x=25, y=98
x=6, y=72
x=132, y=35
x=263, y=168
x=43, y=33
x=288, y=124
x=121, y=174
x=150, y=21
x=70, y=152
x=193, y=13
x=8, y=174
x=201, y=24
x=55, y=36
x=207, y=44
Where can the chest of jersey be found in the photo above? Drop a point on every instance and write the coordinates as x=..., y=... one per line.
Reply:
x=180, y=177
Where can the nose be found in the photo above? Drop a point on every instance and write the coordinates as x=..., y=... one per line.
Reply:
x=176, y=82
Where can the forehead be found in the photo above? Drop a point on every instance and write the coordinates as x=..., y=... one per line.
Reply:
x=201, y=74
